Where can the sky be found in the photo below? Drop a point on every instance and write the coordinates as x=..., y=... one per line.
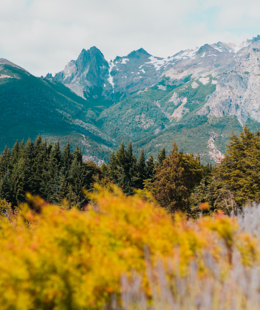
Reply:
x=44, y=35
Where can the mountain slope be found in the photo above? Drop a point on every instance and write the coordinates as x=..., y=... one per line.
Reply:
x=195, y=97
x=206, y=93
x=30, y=106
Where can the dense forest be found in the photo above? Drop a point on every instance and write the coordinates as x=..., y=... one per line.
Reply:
x=178, y=181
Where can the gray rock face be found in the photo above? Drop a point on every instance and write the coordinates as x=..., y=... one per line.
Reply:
x=237, y=90
x=90, y=69
x=153, y=101
x=136, y=71
x=121, y=77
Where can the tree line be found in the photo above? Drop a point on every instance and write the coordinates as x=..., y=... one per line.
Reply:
x=178, y=181
x=42, y=169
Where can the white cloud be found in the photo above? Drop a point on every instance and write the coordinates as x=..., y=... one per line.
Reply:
x=42, y=36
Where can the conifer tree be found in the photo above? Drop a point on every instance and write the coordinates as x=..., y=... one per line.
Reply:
x=112, y=169
x=141, y=170
x=15, y=153
x=18, y=182
x=77, y=179
x=161, y=156
x=66, y=157
x=38, y=168
x=150, y=169
x=22, y=149
x=176, y=178
x=240, y=168
x=56, y=154
x=49, y=148
x=6, y=191
x=5, y=161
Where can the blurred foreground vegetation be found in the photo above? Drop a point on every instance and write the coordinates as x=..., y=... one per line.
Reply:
x=122, y=253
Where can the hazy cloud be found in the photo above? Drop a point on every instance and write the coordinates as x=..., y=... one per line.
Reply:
x=42, y=36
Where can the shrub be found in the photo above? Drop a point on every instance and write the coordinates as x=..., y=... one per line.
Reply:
x=53, y=258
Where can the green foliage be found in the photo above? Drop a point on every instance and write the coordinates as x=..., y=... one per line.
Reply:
x=161, y=156
x=126, y=171
x=240, y=169
x=176, y=178
x=41, y=169
x=31, y=105
x=210, y=196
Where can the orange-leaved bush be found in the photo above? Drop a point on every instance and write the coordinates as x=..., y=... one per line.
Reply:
x=53, y=258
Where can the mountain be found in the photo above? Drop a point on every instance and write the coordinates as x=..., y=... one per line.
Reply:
x=195, y=97
x=93, y=78
x=30, y=106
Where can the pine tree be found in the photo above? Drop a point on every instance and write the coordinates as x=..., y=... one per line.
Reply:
x=161, y=157
x=15, y=153
x=51, y=175
x=56, y=154
x=77, y=181
x=49, y=148
x=66, y=157
x=240, y=169
x=6, y=191
x=22, y=149
x=120, y=167
x=150, y=169
x=141, y=170
x=112, y=169
x=18, y=182
x=176, y=178
x=5, y=161
x=39, y=166
x=62, y=190
x=131, y=178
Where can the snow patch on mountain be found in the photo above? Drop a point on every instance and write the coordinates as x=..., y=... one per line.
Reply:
x=110, y=79
x=156, y=62
x=204, y=80
x=190, y=53
x=124, y=61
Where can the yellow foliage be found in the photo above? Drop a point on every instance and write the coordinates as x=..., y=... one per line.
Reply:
x=53, y=258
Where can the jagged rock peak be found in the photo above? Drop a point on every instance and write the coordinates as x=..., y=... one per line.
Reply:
x=92, y=57
x=254, y=39
x=207, y=48
x=138, y=53
x=93, y=52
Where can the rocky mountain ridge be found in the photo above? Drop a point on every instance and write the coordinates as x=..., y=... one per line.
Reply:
x=195, y=97
x=155, y=99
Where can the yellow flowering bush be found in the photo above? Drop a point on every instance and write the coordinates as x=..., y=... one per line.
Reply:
x=54, y=258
